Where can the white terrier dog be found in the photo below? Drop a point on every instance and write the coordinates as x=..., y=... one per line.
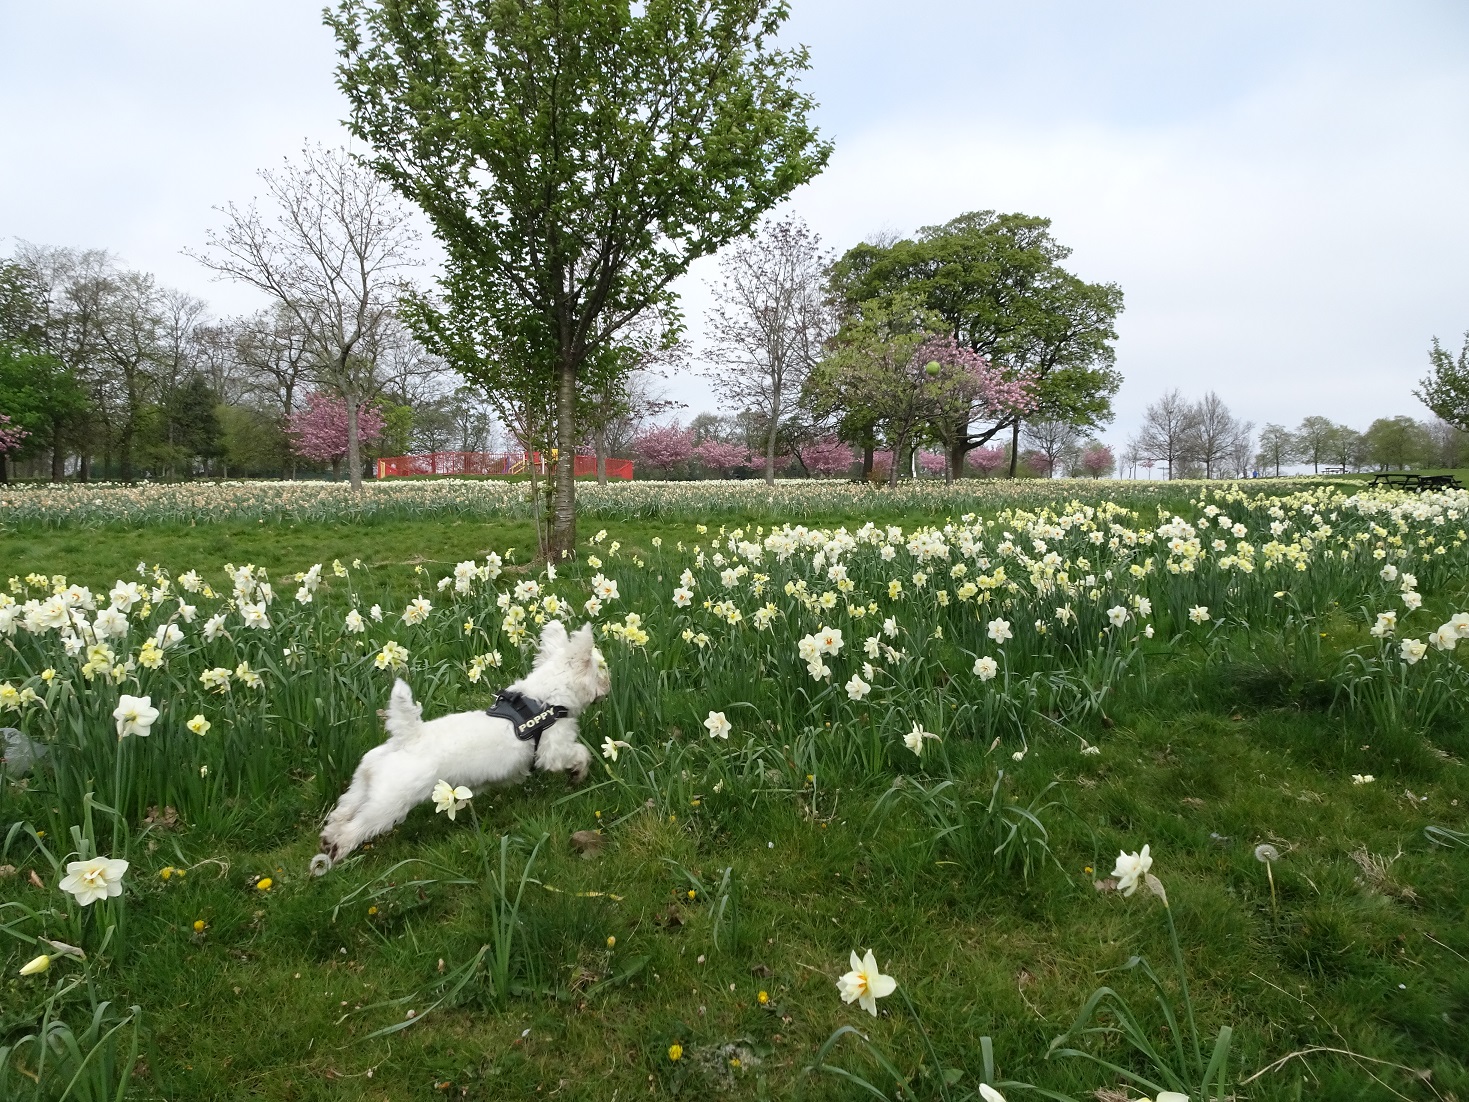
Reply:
x=472, y=748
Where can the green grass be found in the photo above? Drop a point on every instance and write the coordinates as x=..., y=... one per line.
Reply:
x=1365, y=948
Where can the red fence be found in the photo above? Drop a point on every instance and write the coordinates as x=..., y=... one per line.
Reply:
x=487, y=463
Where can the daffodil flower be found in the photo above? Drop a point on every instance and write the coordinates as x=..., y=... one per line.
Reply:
x=865, y=983
x=449, y=799
x=1131, y=868
x=89, y=881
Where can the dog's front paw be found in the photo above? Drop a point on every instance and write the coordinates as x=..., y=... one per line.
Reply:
x=576, y=774
x=320, y=865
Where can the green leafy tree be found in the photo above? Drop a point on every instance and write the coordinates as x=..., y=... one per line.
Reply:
x=997, y=282
x=1314, y=438
x=1397, y=442
x=42, y=397
x=573, y=157
x=1445, y=390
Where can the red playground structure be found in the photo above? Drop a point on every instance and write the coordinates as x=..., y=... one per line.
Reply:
x=503, y=464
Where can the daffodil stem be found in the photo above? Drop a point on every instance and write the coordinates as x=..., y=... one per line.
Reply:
x=1188, y=1002
x=933, y=1055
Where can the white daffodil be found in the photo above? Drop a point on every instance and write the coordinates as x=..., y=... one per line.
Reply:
x=989, y=1094
x=865, y=983
x=89, y=881
x=417, y=611
x=915, y=738
x=857, y=688
x=1117, y=615
x=448, y=799
x=1387, y=623
x=1199, y=614
x=134, y=715
x=36, y=966
x=611, y=747
x=999, y=630
x=1412, y=650
x=1445, y=638
x=1363, y=778
x=354, y=622
x=1131, y=868
x=199, y=725
x=718, y=726
x=986, y=668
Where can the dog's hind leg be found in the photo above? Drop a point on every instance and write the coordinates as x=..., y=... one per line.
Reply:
x=384, y=790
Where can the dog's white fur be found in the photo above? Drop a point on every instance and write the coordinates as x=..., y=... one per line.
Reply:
x=467, y=748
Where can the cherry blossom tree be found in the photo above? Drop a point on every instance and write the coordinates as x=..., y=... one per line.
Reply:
x=1098, y=460
x=662, y=446
x=10, y=438
x=932, y=462
x=988, y=460
x=719, y=456
x=968, y=387
x=320, y=430
x=829, y=457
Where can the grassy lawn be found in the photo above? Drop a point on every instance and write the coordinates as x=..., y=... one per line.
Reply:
x=734, y=881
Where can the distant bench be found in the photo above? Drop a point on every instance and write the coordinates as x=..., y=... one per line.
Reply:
x=1407, y=480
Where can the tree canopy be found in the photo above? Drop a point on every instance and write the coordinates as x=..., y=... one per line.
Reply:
x=573, y=157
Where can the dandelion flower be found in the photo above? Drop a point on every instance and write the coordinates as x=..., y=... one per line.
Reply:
x=865, y=983
x=264, y=884
x=89, y=881
x=675, y=1051
x=1265, y=853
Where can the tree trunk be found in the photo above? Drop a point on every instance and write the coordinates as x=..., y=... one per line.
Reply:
x=898, y=446
x=58, y=453
x=4, y=468
x=84, y=471
x=1014, y=447
x=867, y=450
x=955, y=466
x=562, y=544
x=599, y=441
x=770, y=452
x=354, y=446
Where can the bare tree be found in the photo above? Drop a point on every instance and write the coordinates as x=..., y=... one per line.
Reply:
x=768, y=326
x=1242, y=447
x=1215, y=429
x=1168, y=431
x=331, y=258
x=1057, y=440
x=1277, y=447
x=273, y=350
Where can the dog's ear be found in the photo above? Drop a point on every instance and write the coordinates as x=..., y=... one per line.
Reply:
x=581, y=652
x=553, y=636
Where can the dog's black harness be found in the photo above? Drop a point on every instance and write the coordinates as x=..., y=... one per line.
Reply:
x=528, y=716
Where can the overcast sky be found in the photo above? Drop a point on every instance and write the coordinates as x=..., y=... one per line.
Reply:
x=1277, y=187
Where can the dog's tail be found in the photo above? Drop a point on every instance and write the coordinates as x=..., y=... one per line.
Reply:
x=403, y=716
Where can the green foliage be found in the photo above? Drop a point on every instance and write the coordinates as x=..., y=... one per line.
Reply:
x=1445, y=389
x=996, y=281
x=567, y=207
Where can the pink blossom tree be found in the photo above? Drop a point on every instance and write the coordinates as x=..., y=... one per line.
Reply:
x=988, y=460
x=720, y=457
x=662, y=446
x=932, y=462
x=971, y=388
x=11, y=436
x=1098, y=460
x=828, y=457
x=318, y=430
x=882, y=464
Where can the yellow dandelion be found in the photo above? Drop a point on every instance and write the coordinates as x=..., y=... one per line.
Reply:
x=675, y=1051
x=264, y=884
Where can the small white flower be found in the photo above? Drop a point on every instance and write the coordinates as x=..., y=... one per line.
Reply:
x=986, y=668
x=1362, y=778
x=611, y=747
x=1412, y=600
x=682, y=597
x=865, y=983
x=999, y=630
x=448, y=799
x=90, y=881
x=417, y=611
x=376, y=612
x=1199, y=614
x=1412, y=650
x=1118, y=615
x=857, y=688
x=134, y=715
x=1132, y=867
x=354, y=623
x=914, y=739
x=718, y=726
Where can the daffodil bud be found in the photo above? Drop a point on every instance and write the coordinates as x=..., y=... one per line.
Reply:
x=37, y=966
